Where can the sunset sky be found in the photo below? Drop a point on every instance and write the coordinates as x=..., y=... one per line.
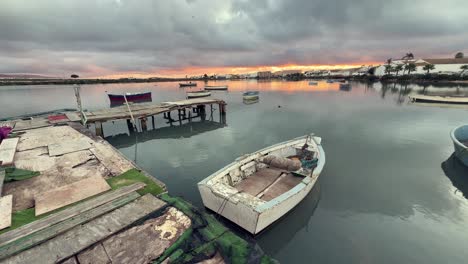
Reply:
x=187, y=37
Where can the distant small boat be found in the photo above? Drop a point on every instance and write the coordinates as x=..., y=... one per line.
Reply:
x=251, y=101
x=117, y=99
x=259, y=188
x=345, y=86
x=459, y=137
x=196, y=94
x=250, y=95
x=220, y=88
x=313, y=83
x=189, y=84
x=330, y=81
x=420, y=98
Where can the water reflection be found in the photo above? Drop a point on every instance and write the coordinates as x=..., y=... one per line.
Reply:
x=457, y=174
x=186, y=130
x=292, y=223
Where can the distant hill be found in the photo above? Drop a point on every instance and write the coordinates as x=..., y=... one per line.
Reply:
x=24, y=76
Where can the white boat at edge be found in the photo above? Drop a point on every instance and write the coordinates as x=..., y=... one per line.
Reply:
x=459, y=137
x=221, y=193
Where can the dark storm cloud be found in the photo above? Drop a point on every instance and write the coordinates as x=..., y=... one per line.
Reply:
x=106, y=36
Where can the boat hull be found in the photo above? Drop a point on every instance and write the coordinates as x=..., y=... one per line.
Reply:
x=458, y=136
x=187, y=84
x=438, y=99
x=255, y=218
x=136, y=98
x=198, y=95
x=216, y=88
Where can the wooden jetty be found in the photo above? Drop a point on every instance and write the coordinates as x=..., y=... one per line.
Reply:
x=186, y=110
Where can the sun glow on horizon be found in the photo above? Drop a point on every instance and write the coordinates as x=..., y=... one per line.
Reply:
x=198, y=71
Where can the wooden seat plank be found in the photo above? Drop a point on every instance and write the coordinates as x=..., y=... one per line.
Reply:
x=258, y=181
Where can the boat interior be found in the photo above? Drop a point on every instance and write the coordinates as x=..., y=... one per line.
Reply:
x=269, y=175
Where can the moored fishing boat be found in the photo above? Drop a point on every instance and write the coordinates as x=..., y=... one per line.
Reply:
x=459, y=138
x=213, y=87
x=345, y=86
x=259, y=188
x=250, y=95
x=189, y=84
x=420, y=98
x=330, y=81
x=117, y=99
x=313, y=83
x=196, y=94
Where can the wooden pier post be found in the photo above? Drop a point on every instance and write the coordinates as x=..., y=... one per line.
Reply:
x=99, y=131
x=130, y=125
x=144, y=125
x=152, y=122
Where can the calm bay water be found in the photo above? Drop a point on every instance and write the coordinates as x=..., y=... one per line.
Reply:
x=390, y=191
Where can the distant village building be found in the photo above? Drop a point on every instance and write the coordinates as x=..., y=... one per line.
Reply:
x=264, y=75
x=287, y=72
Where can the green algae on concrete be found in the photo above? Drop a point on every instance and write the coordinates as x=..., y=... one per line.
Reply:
x=209, y=236
x=133, y=176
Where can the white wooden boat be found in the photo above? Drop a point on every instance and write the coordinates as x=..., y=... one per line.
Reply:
x=438, y=99
x=459, y=137
x=259, y=188
x=196, y=94
x=313, y=83
x=219, y=87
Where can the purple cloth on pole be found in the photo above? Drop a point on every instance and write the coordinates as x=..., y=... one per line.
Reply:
x=4, y=131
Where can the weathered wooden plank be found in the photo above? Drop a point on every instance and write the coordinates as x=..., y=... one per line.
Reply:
x=154, y=236
x=67, y=213
x=2, y=178
x=6, y=205
x=31, y=124
x=59, y=228
x=80, y=237
x=7, y=151
x=94, y=255
x=65, y=147
x=111, y=159
x=68, y=194
x=73, y=116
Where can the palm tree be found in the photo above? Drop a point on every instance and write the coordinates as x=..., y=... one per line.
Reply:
x=398, y=68
x=428, y=67
x=463, y=68
x=459, y=55
x=408, y=56
x=410, y=67
x=388, y=69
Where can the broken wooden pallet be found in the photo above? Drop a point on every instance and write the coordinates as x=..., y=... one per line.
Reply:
x=7, y=151
x=59, y=228
x=80, y=237
x=75, y=210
